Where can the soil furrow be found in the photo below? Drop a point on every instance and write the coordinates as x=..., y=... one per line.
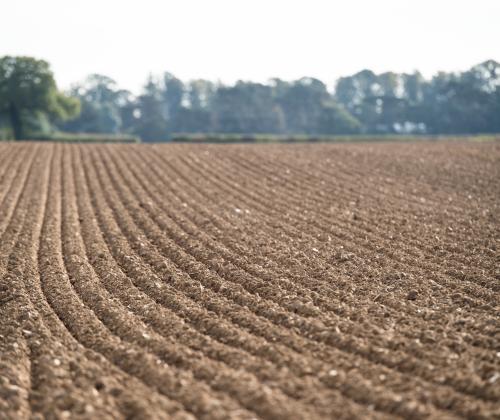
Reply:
x=114, y=324
x=374, y=296
x=281, y=206
x=465, y=387
x=249, y=281
x=239, y=248
x=14, y=191
x=143, y=247
x=363, y=221
x=58, y=293
x=144, y=206
x=190, y=359
x=15, y=360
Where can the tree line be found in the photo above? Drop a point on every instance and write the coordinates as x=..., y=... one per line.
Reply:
x=364, y=103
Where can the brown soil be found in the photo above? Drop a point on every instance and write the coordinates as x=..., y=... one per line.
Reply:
x=250, y=281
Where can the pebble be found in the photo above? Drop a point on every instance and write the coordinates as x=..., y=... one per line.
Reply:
x=494, y=378
x=412, y=295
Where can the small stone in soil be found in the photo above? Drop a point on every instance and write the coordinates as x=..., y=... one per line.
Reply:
x=412, y=295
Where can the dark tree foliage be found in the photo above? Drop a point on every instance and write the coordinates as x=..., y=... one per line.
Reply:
x=246, y=108
x=167, y=105
x=152, y=122
x=449, y=103
x=101, y=106
x=363, y=103
x=29, y=99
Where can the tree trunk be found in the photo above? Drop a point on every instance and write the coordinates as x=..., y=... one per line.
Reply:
x=15, y=122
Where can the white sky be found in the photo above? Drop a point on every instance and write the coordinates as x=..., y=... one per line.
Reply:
x=255, y=40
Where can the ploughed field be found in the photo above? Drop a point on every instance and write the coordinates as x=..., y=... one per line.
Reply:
x=250, y=281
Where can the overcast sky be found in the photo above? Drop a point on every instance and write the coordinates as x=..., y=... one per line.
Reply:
x=255, y=40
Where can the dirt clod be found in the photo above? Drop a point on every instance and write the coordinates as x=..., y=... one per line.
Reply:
x=412, y=295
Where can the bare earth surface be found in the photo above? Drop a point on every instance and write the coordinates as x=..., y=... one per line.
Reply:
x=250, y=281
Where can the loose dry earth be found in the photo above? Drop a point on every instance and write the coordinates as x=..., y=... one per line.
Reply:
x=276, y=281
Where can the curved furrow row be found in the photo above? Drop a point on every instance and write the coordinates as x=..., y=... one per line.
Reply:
x=351, y=182
x=440, y=165
x=118, y=330
x=15, y=188
x=205, y=293
x=362, y=167
x=413, y=164
x=249, y=281
x=147, y=229
x=68, y=378
x=238, y=248
x=11, y=207
x=237, y=245
x=212, y=335
x=142, y=249
x=195, y=290
x=7, y=163
x=220, y=377
x=413, y=246
x=303, y=262
x=487, y=308
x=293, y=196
x=308, y=275
x=135, y=395
x=464, y=385
x=216, y=328
x=411, y=252
x=15, y=357
x=472, y=207
x=45, y=386
x=32, y=338
x=310, y=225
x=347, y=179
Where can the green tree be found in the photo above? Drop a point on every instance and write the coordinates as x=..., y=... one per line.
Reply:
x=28, y=93
x=152, y=124
x=335, y=119
x=200, y=94
x=102, y=104
x=303, y=103
x=246, y=108
x=173, y=94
